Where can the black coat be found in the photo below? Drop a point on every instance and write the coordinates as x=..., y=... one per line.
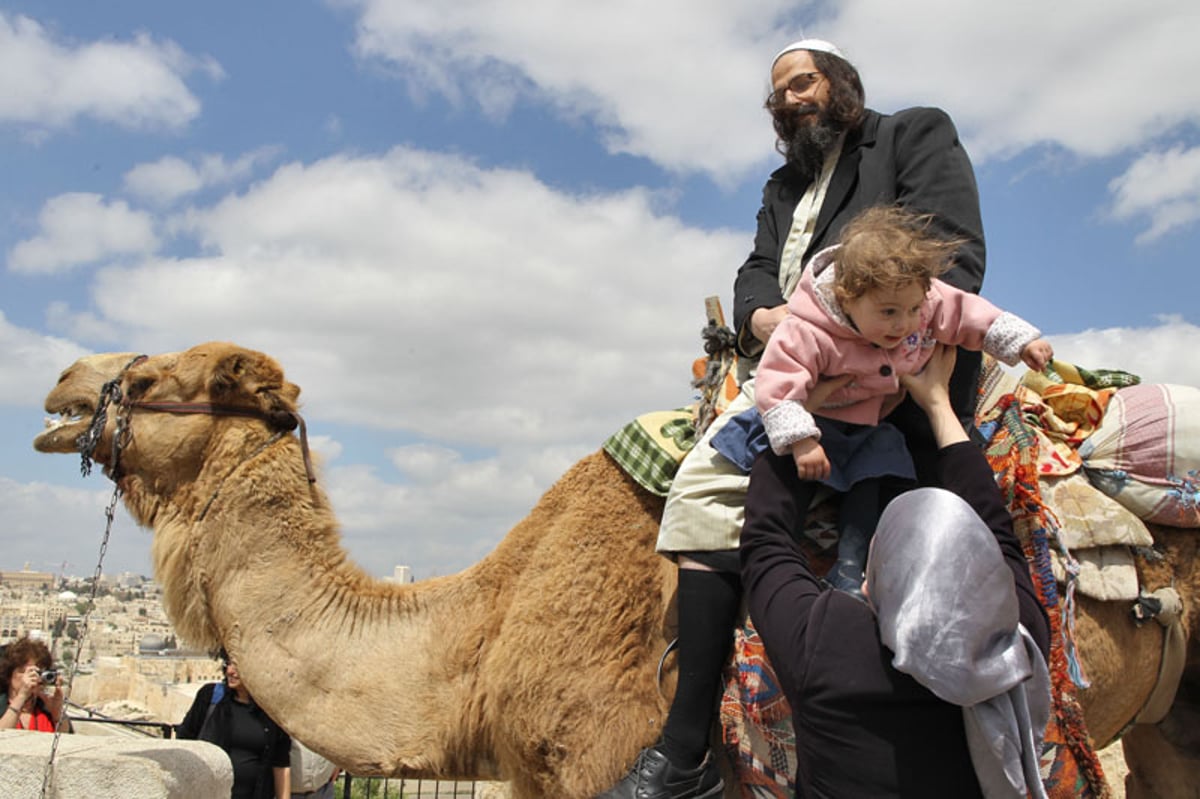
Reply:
x=912, y=158
x=862, y=728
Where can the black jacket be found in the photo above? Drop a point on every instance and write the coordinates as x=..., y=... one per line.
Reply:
x=862, y=728
x=912, y=158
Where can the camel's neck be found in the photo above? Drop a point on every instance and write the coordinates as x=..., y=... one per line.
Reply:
x=359, y=669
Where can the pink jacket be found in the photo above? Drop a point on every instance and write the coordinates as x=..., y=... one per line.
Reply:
x=817, y=340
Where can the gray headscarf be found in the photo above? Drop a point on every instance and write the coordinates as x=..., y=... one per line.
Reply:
x=948, y=610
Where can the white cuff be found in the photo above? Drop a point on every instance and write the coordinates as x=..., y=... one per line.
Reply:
x=1007, y=336
x=787, y=423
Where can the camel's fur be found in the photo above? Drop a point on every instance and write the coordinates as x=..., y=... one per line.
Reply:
x=536, y=665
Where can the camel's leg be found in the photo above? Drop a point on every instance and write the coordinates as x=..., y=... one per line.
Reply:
x=1164, y=758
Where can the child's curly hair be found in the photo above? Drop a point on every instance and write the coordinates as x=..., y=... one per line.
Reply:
x=886, y=247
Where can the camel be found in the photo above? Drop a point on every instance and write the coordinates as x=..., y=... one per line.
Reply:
x=538, y=665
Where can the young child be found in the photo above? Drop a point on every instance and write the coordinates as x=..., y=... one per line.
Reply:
x=871, y=308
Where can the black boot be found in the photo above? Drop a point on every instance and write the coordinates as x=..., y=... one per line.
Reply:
x=653, y=777
x=857, y=518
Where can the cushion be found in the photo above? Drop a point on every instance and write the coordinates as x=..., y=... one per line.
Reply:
x=1105, y=573
x=1087, y=517
x=1146, y=453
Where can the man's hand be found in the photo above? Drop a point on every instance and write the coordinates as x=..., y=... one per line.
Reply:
x=809, y=456
x=764, y=321
x=824, y=389
x=1038, y=354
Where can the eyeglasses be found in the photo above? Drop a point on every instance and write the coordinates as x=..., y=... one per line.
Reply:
x=799, y=84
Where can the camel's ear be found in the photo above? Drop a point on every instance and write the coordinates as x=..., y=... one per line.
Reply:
x=253, y=378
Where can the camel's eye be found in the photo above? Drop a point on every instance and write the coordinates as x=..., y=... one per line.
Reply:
x=139, y=386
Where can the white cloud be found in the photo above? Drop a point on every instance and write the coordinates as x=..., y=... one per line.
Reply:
x=419, y=292
x=30, y=363
x=79, y=325
x=163, y=180
x=453, y=515
x=422, y=463
x=325, y=448
x=79, y=228
x=47, y=82
x=1095, y=77
x=169, y=178
x=1160, y=354
x=681, y=83
x=43, y=524
x=683, y=86
x=1164, y=186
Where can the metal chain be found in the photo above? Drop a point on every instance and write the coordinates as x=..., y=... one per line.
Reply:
x=110, y=512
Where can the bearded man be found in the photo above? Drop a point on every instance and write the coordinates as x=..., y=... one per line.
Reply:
x=841, y=158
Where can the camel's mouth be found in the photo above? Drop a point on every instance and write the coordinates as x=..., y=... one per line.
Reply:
x=63, y=431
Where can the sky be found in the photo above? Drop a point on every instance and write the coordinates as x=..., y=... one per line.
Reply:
x=479, y=235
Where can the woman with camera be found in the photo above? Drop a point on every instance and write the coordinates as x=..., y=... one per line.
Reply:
x=33, y=697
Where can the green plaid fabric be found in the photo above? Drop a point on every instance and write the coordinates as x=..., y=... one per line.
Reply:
x=1096, y=379
x=639, y=452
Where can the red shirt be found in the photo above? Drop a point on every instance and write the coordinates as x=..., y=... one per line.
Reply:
x=41, y=719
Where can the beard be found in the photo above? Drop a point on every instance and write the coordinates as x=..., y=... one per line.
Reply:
x=806, y=135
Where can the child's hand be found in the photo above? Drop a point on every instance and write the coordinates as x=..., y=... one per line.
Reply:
x=811, y=463
x=1037, y=354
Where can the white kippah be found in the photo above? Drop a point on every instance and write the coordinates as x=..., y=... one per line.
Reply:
x=808, y=44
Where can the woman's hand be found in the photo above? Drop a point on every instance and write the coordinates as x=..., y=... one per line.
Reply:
x=27, y=681
x=931, y=385
x=54, y=701
x=930, y=389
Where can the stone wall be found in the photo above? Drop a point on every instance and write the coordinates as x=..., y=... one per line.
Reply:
x=87, y=767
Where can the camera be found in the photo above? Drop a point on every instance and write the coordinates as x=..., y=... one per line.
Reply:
x=50, y=676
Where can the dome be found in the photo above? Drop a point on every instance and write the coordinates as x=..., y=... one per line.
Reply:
x=152, y=642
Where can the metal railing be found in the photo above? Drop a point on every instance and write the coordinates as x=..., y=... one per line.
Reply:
x=141, y=727
x=349, y=787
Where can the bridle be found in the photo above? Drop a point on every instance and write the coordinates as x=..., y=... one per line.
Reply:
x=282, y=421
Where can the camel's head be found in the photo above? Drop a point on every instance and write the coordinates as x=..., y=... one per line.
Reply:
x=163, y=445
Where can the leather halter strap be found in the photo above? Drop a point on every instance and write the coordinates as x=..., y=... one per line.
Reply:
x=284, y=421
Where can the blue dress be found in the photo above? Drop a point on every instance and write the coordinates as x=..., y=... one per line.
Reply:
x=856, y=452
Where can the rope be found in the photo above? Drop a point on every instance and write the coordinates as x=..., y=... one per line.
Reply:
x=110, y=514
x=719, y=345
x=662, y=665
